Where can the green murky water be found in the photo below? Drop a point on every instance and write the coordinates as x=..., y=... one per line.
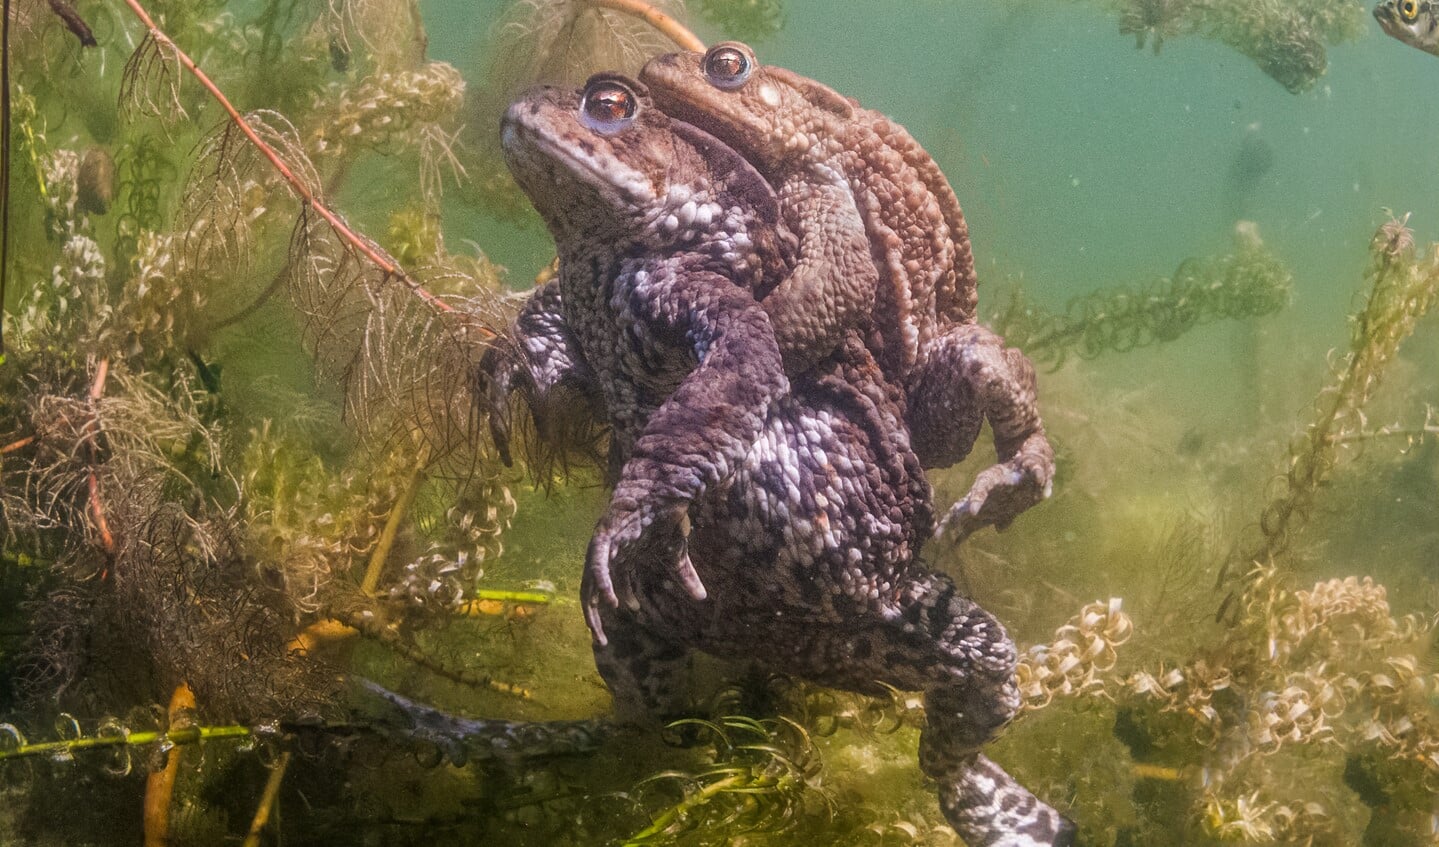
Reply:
x=244, y=489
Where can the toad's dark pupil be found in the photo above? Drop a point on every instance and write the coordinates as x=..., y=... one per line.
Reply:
x=727, y=64
x=610, y=104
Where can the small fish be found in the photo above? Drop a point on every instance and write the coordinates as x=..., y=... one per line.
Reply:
x=1414, y=22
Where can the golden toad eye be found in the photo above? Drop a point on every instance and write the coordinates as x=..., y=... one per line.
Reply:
x=728, y=65
x=1409, y=10
x=607, y=106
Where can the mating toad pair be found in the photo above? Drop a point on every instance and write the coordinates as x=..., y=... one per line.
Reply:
x=767, y=292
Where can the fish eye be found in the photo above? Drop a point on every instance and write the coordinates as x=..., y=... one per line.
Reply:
x=608, y=106
x=728, y=65
x=1409, y=10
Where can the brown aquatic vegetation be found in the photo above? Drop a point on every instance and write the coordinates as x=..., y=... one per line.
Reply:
x=199, y=552
x=1300, y=675
x=1152, y=21
x=1326, y=666
x=1072, y=665
x=1288, y=41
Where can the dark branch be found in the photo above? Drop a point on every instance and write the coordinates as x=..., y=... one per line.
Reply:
x=73, y=22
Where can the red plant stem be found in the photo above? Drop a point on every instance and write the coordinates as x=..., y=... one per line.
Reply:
x=376, y=257
x=97, y=508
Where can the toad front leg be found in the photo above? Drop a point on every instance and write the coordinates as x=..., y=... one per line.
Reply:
x=969, y=376
x=696, y=437
x=537, y=357
x=832, y=287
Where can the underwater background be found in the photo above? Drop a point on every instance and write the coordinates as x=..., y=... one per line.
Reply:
x=238, y=456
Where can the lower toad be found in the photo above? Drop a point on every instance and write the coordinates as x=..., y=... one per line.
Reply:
x=753, y=516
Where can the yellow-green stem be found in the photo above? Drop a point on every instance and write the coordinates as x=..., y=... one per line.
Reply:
x=267, y=801
x=667, y=818
x=535, y=598
x=187, y=735
x=391, y=530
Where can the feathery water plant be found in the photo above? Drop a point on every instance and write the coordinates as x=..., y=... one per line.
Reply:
x=1402, y=289
x=1248, y=283
x=1288, y=41
x=761, y=772
x=199, y=551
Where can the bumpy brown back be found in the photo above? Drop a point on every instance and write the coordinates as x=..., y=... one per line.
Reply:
x=912, y=215
x=957, y=296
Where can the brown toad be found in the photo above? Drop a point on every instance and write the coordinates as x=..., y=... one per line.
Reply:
x=799, y=504
x=840, y=171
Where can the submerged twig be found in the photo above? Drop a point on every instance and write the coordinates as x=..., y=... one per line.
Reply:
x=369, y=627
x=671, y=28
x=267, y=800
x=392, y=528
x=97, y=507
x=4, y=165
x=160, y=784
x=73, y=22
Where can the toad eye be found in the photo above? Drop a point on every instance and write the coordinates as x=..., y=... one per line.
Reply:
x=608, y=107
x=1409, y=10
x=728, y=65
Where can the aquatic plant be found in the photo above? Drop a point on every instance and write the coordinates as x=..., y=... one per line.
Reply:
x=1249, y=283
x=1402, y=289
x=1152, y=21
x=176, y=520
x=111, y=733
x=1073, y=664
x=745, y=20
x=1303, y=681
x=190, y=541
x=1325, y=666
x=1288, y=41
x=761, y=769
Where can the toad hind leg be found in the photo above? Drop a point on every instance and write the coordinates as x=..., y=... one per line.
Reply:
x=944, y=644
x=989, y=809
x=969, y=695
x=969, y=375
x=645, y=672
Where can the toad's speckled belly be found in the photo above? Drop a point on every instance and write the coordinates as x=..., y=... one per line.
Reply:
x=820, y=524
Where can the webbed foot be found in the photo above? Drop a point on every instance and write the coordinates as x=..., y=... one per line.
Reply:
x=999, y=494
x=989, y=809
x=610, y=574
